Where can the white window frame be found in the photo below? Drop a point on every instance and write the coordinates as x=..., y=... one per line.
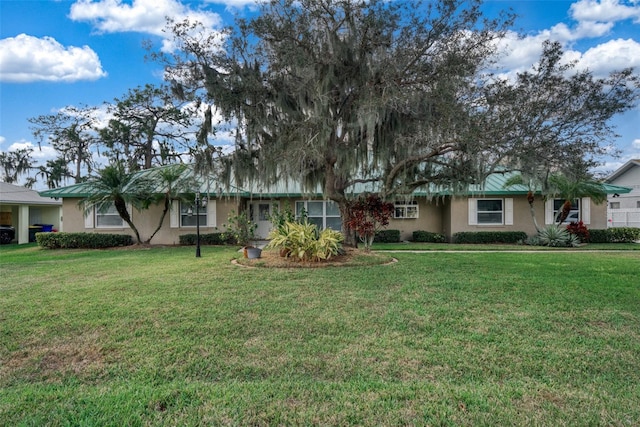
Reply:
x=584, y=211
x=91, y=218
x=506, y=212
x=406, y=210
x=175, y=215
x=325, y=216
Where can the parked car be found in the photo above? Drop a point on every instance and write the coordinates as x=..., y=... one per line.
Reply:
x=7, y=234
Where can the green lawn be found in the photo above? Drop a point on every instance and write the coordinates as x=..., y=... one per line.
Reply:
x=159, y=337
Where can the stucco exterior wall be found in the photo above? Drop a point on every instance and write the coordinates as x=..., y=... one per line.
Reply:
x=146, y=221
x=429, y=219
x=446, y=216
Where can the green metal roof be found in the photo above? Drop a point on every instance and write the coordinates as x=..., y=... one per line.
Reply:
x=494, y=185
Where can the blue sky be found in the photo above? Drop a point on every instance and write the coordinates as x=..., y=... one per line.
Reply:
x=84, y=52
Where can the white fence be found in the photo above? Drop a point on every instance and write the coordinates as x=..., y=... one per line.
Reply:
x=623, y=217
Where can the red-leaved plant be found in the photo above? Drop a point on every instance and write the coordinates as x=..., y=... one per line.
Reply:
x=367, y=216
x=580, y=230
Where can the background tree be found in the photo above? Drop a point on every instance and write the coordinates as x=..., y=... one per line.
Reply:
x=72, y=133
x=148, y=128
x=54, y=172
x=339, y=92
x=15, y=164
x=555, y=118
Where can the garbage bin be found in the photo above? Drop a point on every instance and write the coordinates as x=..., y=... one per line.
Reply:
x=46, y=228
x=33, y=229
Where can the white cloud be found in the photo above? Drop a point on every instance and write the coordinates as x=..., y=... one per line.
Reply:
x=42, y=153
x=636, y=143
x=142, y=16
x=604, y=11
x=2, y=140
x=26, y=58
x=612, y=55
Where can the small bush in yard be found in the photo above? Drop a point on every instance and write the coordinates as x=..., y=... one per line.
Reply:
x=303, y=242
x=580, y=230
x=428, y=237
x=557, y=237
x=489, y=237
x=615, y=235
x=82, y=240
x=387, y=236
x=624, y=234
x=208, y=239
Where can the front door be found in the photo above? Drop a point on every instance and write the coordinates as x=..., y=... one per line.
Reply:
x=261, y=215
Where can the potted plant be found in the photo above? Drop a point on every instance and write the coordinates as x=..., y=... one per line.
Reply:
x=243, y=230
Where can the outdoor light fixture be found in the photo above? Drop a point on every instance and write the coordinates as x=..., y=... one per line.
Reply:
x=201, y=201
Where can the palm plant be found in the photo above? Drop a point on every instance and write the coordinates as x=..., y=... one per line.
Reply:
x=115, y=185
x=567, y=188
x=174, y=183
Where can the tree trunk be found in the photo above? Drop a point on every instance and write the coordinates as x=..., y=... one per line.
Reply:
x=167, y=205
x=121, y=207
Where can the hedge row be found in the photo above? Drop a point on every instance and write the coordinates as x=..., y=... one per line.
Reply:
x=387, y=236
x=428, y=237
x=615, y=235
x=208, y=239
x=488, y=237
x=82, y=240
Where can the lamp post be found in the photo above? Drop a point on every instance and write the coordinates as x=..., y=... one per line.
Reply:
x=200, y=201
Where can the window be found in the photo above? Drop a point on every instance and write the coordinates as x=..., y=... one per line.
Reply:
x=574, y=213
x=614, y=205
x=638, y=204
x=188, y=216
x=406, y=209
x=324, y=214
x=107, y=216
x=490, y=211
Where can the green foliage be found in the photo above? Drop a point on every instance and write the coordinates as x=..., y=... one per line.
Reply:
x=489, y=237
x=387, y=236
x=208, y=239
x=279, y=217
x=428, y=237
x=303, y=242
x=599, y=236
x=240, y=227
x=624, y=234
x=82, y=240
x=615, y=235
x=557, y=237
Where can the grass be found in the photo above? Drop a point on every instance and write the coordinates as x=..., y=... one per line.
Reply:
x=159, y=337
x=412, y=246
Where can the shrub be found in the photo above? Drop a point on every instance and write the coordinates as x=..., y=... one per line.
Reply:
x=557, y=237
x=624, y=234
x=82, y=240
x=488, y=237
x=580, y=230
x=428, y=237
x=240, y=227
x=367, y=216
x=208, y=239
x=303, y=242
x=615, y=235
x=387, y=236
x=599, y=236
